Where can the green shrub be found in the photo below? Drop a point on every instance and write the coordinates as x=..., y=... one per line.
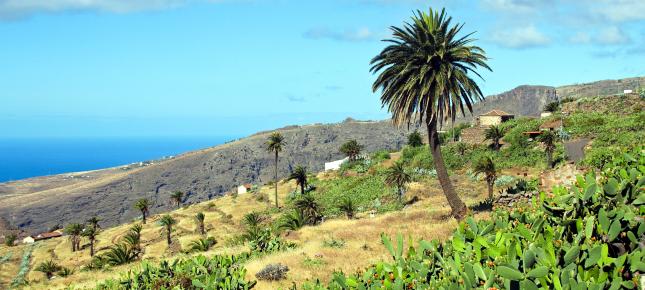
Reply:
x=333, y=243
x=10, y=239
x=585, y=237
x=380, y=156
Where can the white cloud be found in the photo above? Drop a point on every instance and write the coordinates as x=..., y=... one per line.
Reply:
x=580, y=38
x=20, y=8
x=520, y=37
x=516, y=6
x=612, y=35
x=620, y=10
x=360, y=34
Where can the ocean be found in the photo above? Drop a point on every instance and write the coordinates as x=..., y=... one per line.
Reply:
x=29, y=157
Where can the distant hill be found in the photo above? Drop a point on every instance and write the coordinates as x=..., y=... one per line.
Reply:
x=37, y=204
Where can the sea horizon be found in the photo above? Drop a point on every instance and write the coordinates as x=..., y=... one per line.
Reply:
x=28, y=157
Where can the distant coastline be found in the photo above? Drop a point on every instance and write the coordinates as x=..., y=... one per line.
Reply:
x=22, y=158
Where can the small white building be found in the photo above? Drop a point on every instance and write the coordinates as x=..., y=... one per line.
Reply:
x=545, y=114
x=28, y=240
x=627, y=91
x=335, y=165
x=244, y=188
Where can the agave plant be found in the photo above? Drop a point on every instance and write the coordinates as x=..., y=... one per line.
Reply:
x=203, y=244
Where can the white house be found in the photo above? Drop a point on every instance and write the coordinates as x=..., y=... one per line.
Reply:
x=545, y=114
x=335, y=165
x=627, y=91
x=244, y=188
x=28, y=240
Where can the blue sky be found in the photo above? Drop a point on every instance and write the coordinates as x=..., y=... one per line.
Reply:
x=198, y=67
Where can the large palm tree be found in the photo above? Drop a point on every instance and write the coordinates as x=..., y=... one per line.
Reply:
x=548, y=139
x=167, y=222
x=74, y=232
x=494, y=134
x=486, y=166
x=396, y=176
x=300, y=176
x=426, y=76
x=90, y=232
x=177, y=196
x=274, y=145
x=143, y=205
x=94, y=222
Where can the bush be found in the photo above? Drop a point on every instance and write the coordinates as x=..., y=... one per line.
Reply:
x=334, y=243
x=10, y=239
x=273, y=272
x=380, y=156
x=585, y=237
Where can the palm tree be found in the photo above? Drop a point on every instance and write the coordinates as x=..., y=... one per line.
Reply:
x=396, y=176
x=143, y=205
x=425, y=76
x=48, y=268
x=199, y=217
x=274, y=145
x=548, y=138
x=414, y=139
x=74, y=232
x=494, y=133
x=486, y=166
x=352, y=149
x=94, y=222
x=167, y=222
x=252, y=219
x=120, y=254
x=293, y=221
x=10, y=239
x=461, y=148
x=347, y=206
x=309, y=207
x=90, y=232
x=300, y=175
x=202, y=245
x=133, y=237
x=177, y=197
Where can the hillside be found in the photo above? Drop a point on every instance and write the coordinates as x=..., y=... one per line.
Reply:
x=38, y=204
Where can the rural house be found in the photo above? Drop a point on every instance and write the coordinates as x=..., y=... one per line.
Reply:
x=40, y=237
x=335, y=165
x=494, y=118
x=244, y=188
x=475, y=134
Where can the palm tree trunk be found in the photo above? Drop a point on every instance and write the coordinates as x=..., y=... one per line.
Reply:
x=92, y=248
x=458, y=207
x=168, y=240
x=549, y=158
x=490, y=190
x=276, y=179
x=201, y=228
x=302, y=188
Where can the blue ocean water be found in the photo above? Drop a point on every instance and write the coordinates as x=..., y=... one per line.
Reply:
x=28, y=157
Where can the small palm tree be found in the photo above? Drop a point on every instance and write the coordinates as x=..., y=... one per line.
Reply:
x=202, y=245
x=252, y=219
x=486, y=166
x=177, y=196
x=94, y=222
x=347, y=206
x=167, y=222
x=300, y=176
x=414, y=139
x=425, y=75
x=352, y=149
x=119, y=254
x=548, y=139
x=292, y=221
x=90, y=232
x=274, y=145
x=398, y=177
x=495, y=134
x=461, y=148
x=74, y=232
x=199, y=217
x=143, y=205
x=310, y=209
x=10, y=239
x=133, y=238
x=48, y=268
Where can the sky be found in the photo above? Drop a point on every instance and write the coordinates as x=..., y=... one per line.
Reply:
x=104, y=68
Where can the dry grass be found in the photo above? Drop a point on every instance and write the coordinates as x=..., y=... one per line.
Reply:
x=424, y=219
